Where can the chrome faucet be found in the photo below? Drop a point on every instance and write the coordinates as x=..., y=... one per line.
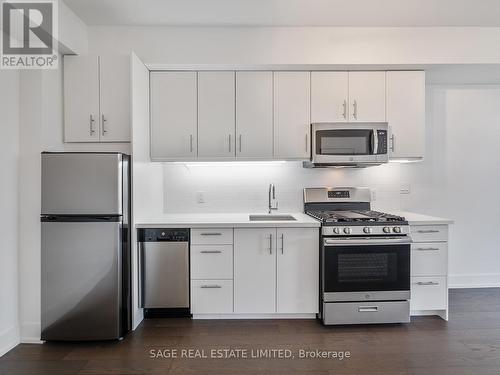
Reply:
x=273, y=203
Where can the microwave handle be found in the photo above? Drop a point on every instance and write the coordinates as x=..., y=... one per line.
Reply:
x=375, y=142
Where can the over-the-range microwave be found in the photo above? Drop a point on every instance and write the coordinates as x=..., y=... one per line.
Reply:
x=348, y=144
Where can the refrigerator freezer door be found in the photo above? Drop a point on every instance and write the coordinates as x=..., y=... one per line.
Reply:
x=81, y=184
x=81, y=280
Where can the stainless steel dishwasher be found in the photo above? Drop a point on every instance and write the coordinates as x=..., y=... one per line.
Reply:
x=164, y=272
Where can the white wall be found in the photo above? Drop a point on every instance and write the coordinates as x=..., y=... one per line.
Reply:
x=9, y=156
x=300, y=45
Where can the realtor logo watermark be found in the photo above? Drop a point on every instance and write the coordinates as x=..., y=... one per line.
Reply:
x=29, y=32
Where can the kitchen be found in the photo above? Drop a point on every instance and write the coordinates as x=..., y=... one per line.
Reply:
x=192, y=73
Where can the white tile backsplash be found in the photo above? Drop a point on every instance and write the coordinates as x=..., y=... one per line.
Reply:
x=243, y=187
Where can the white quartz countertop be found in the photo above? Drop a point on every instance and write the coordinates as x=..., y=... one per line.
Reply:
x=232, y=220
x=420, y=219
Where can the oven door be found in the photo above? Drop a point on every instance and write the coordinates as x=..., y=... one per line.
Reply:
x=341, y=143
x=364, y=269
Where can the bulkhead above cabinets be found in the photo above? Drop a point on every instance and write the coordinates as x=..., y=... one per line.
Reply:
x=266, y=115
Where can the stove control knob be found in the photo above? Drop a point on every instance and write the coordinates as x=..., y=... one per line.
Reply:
x=397, y=229
x=347, y=230
x=387, y=230
x=367, y=230
x=336, y=230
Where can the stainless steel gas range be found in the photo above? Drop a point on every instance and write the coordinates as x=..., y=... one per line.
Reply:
x=365, y=258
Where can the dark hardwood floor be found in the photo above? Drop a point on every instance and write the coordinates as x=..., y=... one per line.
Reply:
x=468, y=344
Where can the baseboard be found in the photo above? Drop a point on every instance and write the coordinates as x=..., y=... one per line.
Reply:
x=9, y=339
x=254, y=316
x=30, y=333
x=480, y=280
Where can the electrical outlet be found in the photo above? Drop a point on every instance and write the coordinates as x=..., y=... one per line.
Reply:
x=200, y=196
x=405, y=189
x=374, y=195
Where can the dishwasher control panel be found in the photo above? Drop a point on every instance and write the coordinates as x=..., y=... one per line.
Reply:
x=163, y=235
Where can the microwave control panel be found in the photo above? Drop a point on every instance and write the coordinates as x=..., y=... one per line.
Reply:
x=382, y=142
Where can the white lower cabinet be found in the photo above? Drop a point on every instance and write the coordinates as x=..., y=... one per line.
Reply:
x=276, y=270
x=211, y=296
x=297, y=275
x=429, y=293
x=429, y=270
x=255, y=270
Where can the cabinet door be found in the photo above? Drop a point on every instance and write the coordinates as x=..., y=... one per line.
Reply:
x=329, y=97
x=216, y=124
x=81, y=99
x=297, y=270
x=254, y=115
x=292, y=115
x=367, y=96
x=115, y=98
x=255, y=270
x=173, y=115
x=406, y=114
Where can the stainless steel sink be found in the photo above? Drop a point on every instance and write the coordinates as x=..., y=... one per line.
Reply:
x=272, y=218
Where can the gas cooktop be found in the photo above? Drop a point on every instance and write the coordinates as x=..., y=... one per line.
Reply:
x=365, y=216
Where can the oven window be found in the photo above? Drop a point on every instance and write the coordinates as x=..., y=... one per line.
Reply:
x=366, y=268
x=344, y=142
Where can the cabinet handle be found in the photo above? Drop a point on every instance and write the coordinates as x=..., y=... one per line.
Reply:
x=428, y=231
x=368, y=309
x=211, y=234
x=211, y=252
x=240, y=142
x=393, y=143
x=282, y=243
x=190, y=143
x=423, y=283
x=229, y=142
x=104, y=131
x=271, y=244
x=211, y=287
x=427, y=249
x=355, y=110
x=91, y=124
x=344, y=112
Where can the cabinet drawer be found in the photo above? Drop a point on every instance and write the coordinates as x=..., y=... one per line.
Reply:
x=429, y=233
x=212, y=261
x=212, y=236
x=429, y=259
x=211, y=296
x=428, y=293
x=366, y=312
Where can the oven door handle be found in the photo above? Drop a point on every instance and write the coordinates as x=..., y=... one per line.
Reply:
x=371, y=241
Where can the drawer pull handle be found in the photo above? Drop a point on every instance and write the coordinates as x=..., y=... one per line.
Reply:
x=427, y=249
x=368, y=309
x=211, y=234
x=210, y=251
x=423, y=283
x=428, y=231
x=211, y=287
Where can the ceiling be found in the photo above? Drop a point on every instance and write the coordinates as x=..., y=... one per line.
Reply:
x=288, y=12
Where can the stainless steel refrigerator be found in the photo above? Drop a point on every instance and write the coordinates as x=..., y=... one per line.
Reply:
x=85, y=246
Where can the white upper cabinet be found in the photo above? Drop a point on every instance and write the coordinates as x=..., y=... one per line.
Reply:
x=254, y=270
x=297, y=270
x=292, y=115
x=406, y=114
x=366, y=96
x=173, y=115
x=81, y=99
x=254, y=115
x=97, y=99
x=329, y=97
x=216, y=121
x=115, y=98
